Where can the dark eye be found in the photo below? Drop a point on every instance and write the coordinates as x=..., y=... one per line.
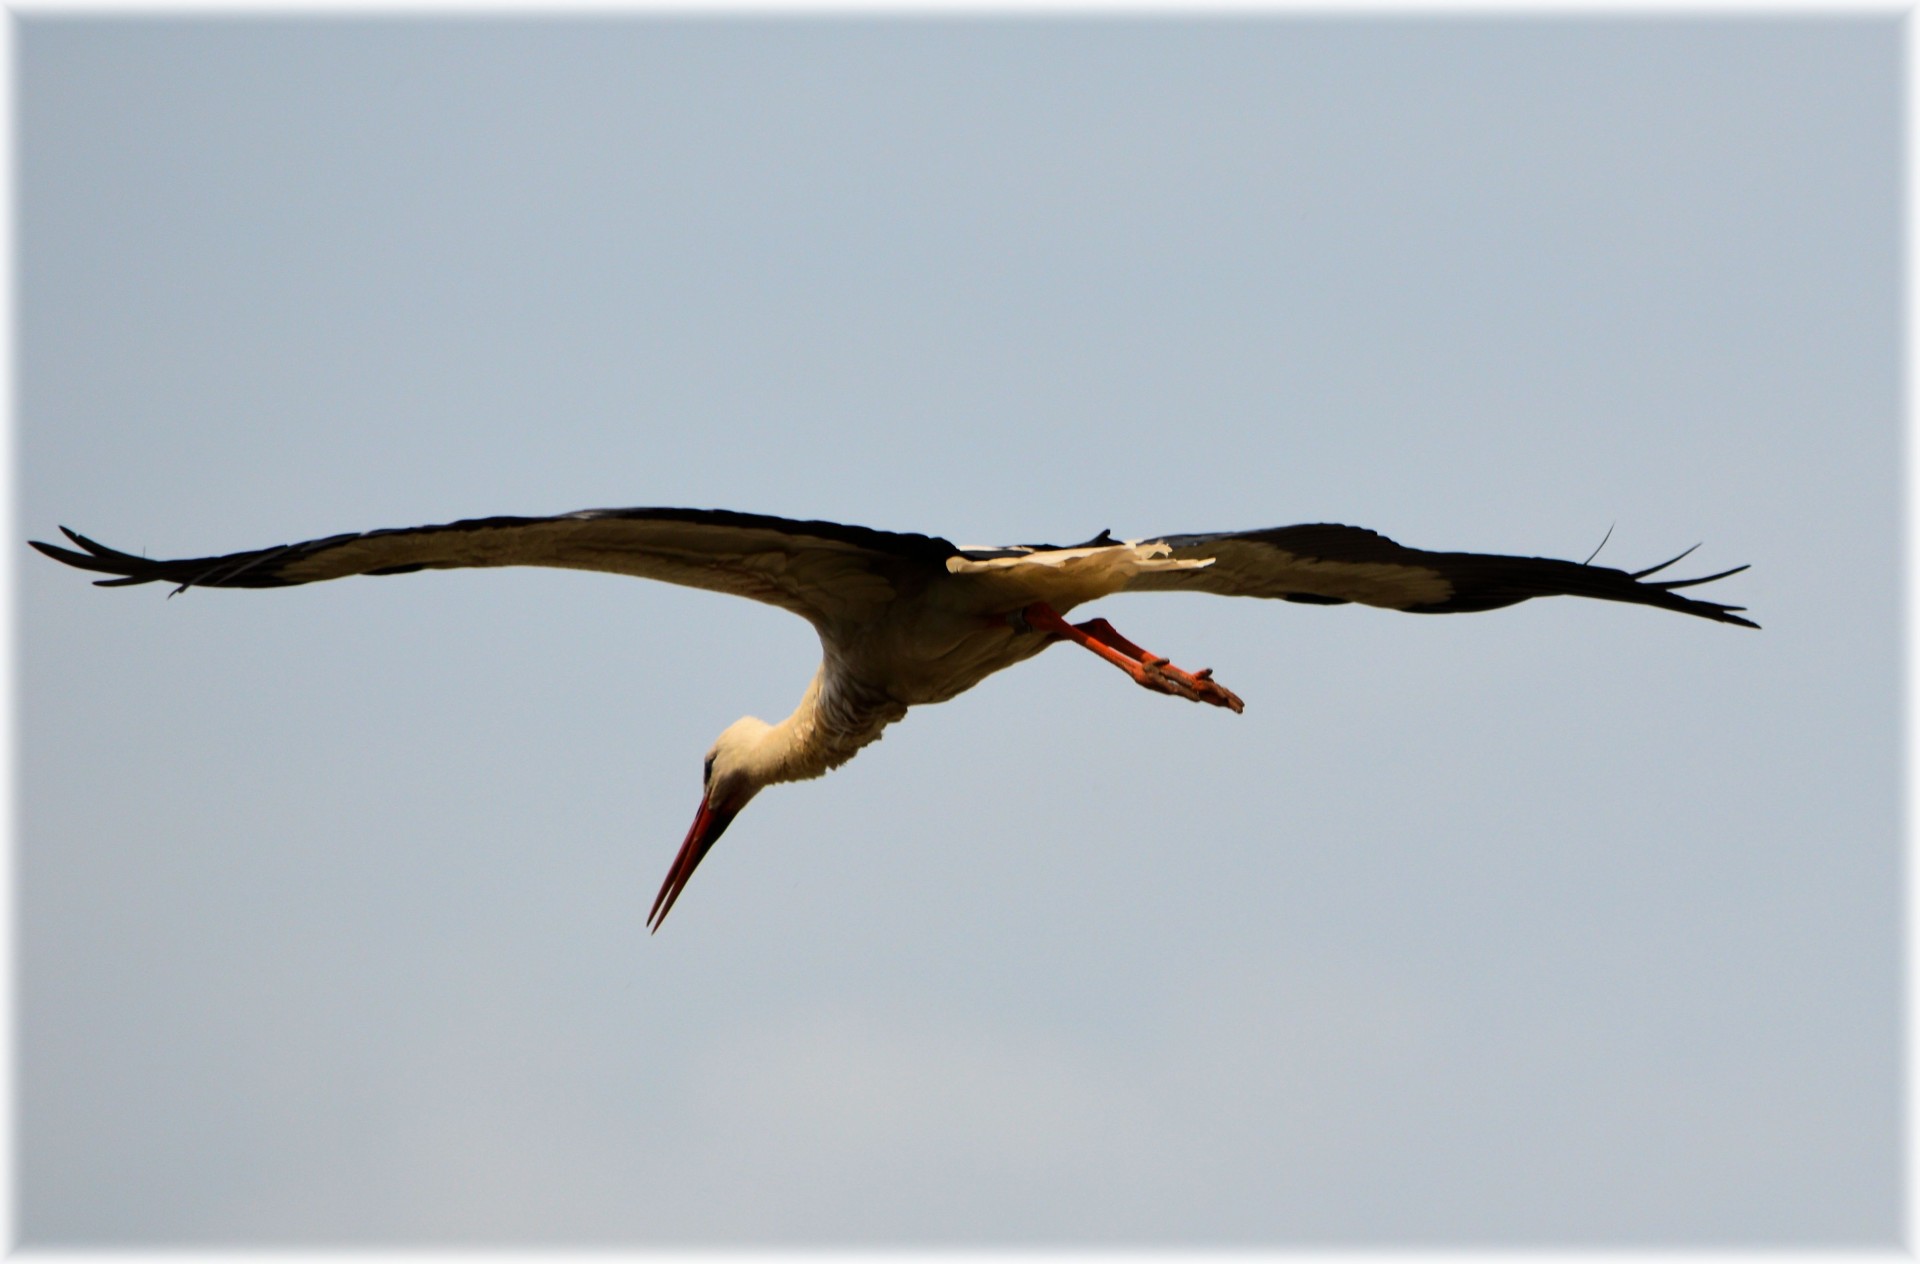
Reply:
x=706, y=777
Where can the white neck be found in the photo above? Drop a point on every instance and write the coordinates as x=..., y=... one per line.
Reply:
x=835, y=718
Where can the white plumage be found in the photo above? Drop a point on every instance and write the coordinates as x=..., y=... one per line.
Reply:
x=906, y=620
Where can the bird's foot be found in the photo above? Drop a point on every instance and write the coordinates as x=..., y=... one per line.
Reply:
x=1149, y=670
x=1158, y=673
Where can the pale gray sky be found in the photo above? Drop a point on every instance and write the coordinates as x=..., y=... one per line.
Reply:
x=1565, y=924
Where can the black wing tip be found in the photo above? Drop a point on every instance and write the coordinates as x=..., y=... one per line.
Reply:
x=124, y=567
x=235, y=570
x=94, y=548
x=1690, y=605
x=1726, y=613
x=1652, y=570
x=62, y=553
x=1671, y=584
x=1715, y=610
x=1662, y=594
x=91, y=559
x=1482, y=581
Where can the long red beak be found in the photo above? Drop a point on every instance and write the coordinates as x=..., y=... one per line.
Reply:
x=709, y=823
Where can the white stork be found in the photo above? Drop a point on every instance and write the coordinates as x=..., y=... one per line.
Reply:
x=906, y=620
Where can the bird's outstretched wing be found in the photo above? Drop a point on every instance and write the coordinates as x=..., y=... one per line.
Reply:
x=822, y=571
x=1328, y=564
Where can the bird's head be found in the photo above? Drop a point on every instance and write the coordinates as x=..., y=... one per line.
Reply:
x=737, y=768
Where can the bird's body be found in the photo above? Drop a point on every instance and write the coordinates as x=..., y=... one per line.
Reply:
x=908, y=620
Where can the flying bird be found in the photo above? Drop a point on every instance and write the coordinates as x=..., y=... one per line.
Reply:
x=906, y=620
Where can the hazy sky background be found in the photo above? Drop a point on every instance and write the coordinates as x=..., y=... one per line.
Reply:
x=1567, y=924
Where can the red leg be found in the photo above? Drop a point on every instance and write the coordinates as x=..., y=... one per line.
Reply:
x=1101, y=630
x=1148, y=669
